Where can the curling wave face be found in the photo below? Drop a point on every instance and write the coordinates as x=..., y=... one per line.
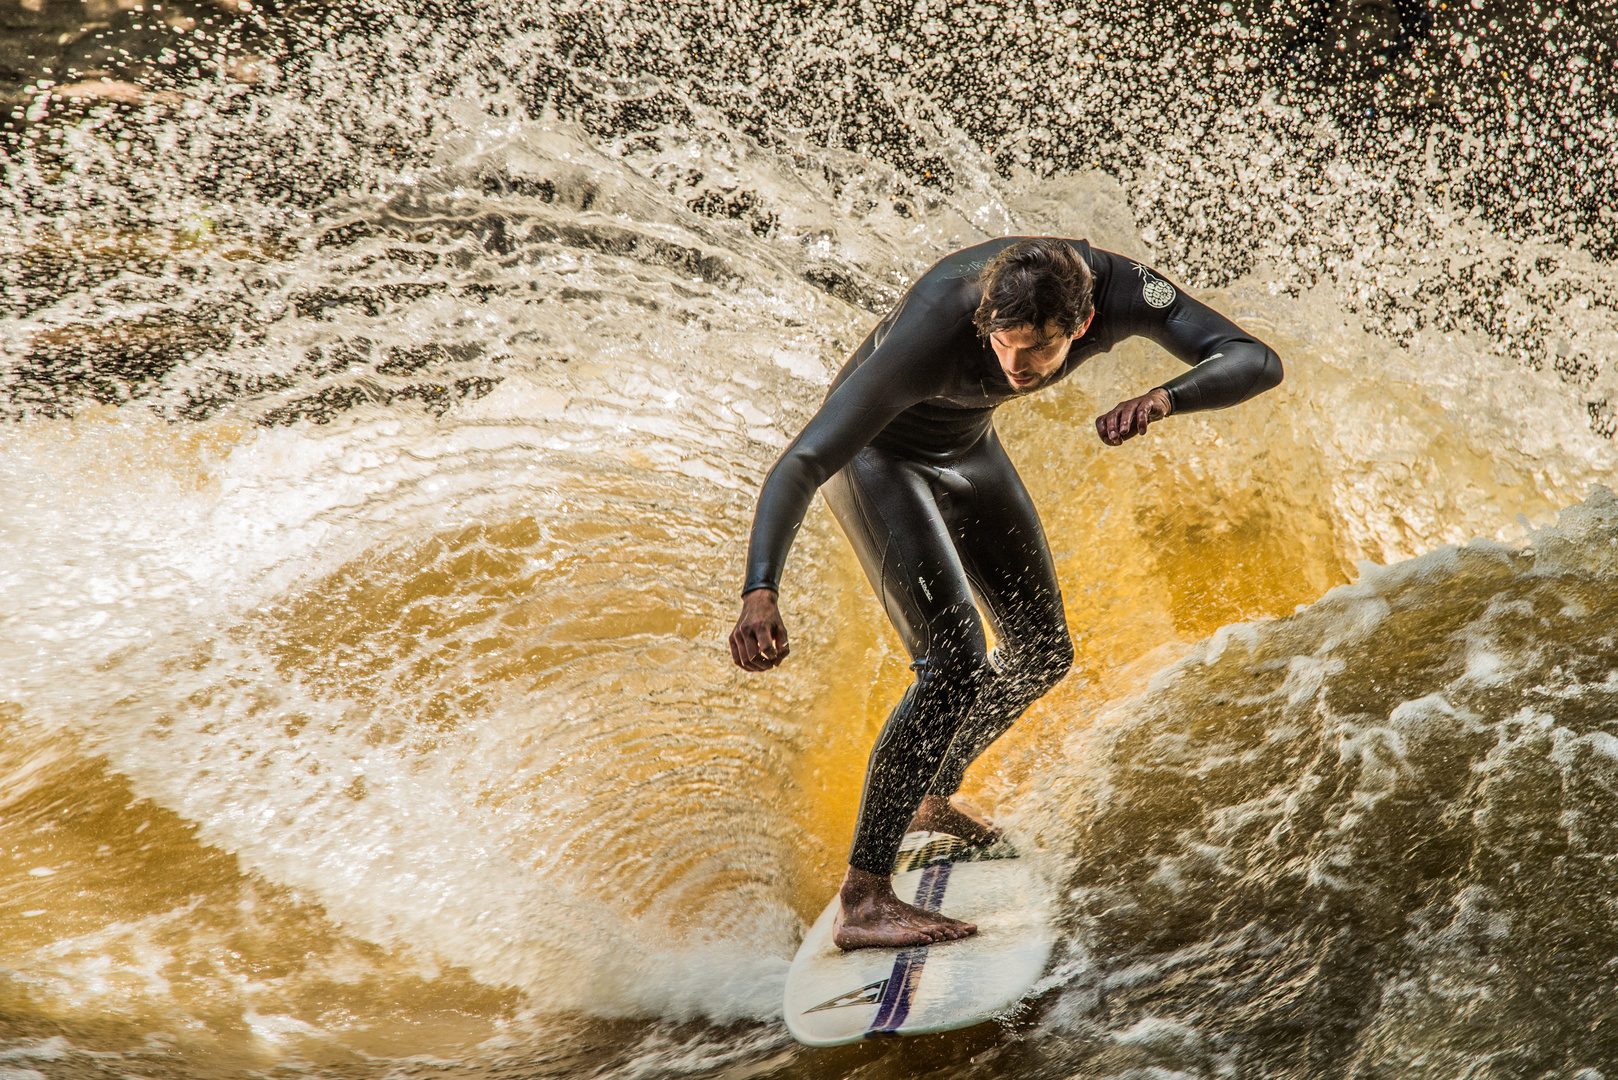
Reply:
x=381, y=441
x=1361, y=838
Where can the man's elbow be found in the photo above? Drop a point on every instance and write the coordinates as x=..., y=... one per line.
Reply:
x=802, y=469
x=1263, y=372
x=1271, y=374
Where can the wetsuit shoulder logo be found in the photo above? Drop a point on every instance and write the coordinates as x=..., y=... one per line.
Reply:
x=1158, y=293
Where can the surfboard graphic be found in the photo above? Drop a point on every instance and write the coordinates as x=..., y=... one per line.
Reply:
x=865, y=995
x=833, y=997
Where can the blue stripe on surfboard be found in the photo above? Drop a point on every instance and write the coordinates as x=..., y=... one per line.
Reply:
x=930, y=892
x=900, y=992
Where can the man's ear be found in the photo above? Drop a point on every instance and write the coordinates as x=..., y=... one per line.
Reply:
x=1080, y=332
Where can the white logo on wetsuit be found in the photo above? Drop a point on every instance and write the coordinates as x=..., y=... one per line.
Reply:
x=1158, y=293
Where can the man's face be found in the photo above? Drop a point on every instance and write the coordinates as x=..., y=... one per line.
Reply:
x=1029, y=356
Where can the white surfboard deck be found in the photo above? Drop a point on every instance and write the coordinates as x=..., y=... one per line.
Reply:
x=835, y=997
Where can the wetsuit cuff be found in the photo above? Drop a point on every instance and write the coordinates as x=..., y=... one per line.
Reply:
x=1175, y=404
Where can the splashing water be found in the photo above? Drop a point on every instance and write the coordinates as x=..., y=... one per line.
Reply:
x=380, y=441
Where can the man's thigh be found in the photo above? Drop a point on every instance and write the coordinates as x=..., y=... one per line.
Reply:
x=888, y=508
x=1002, y=546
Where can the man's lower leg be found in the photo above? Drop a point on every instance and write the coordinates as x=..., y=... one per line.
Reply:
x=956, y=816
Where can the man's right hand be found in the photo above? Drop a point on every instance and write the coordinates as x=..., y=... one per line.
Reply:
x=759, y=641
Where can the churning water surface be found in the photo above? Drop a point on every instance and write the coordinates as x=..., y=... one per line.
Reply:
x=385, y=394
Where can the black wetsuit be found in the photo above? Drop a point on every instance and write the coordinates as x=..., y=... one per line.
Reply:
x=906, y=448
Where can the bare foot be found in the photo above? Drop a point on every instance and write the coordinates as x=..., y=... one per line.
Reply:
x=872, y=916
x=955, y=816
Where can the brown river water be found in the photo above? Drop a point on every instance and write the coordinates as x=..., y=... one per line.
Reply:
x=383, y=395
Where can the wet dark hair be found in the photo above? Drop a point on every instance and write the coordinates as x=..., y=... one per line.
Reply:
x=1034, y=283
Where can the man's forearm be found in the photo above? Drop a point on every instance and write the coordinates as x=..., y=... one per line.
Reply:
x=1237, y=371
x=782, y=504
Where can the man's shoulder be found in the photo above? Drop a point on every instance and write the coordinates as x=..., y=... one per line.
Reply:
x=1135, y=289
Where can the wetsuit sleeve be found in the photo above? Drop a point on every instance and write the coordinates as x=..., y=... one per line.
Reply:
x=1229, y=365
x=895, y=375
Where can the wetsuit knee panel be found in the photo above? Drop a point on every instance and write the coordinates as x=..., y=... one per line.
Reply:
x=959, y=671
x=1040, y=665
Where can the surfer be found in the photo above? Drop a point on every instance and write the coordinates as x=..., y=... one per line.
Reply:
x=905, y=448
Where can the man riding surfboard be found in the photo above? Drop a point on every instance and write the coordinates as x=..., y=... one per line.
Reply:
x=905, y=450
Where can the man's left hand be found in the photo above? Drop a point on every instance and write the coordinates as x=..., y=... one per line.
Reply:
x=1132, y=417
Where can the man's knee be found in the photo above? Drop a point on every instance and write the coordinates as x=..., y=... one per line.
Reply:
x=960, y=673
x=1041, y=665
x=950, y=681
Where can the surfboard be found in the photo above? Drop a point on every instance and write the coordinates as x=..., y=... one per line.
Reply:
x=835, y=997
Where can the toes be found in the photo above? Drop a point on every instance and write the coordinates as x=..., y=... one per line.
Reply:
x=879, y=940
